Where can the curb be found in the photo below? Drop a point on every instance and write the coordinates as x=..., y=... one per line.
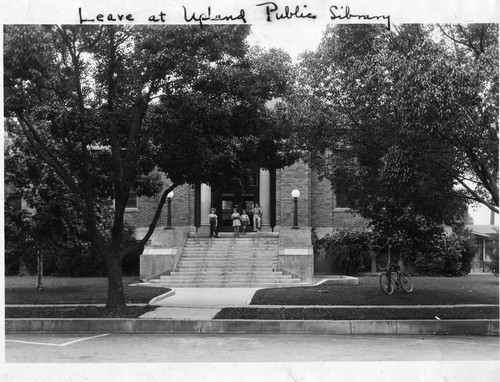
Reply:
x=396, y=327
x=161, y=297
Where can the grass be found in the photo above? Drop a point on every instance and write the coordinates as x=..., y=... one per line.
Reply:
x=385, y=313
x=76, y=312
x=473, y=289
x=436, y=291
x=73, y=290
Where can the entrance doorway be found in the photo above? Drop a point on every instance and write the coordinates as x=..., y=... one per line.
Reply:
x=236, y=196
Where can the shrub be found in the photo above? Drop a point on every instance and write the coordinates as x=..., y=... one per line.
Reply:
x=348, y=249
x=446, y=256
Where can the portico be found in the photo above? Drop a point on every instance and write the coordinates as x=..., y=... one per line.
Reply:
x=259, y=191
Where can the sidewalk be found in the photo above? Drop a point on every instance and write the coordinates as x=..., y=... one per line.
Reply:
x=205, y=303
x=198, y=303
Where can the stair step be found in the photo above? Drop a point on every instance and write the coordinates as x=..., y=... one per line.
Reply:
x=192, y=283
x=226, y=276
x=222, y=284
x=256, y=272
x=250, y=261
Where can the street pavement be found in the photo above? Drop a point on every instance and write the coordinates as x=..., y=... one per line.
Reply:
x=201, y=348
x=244, y=357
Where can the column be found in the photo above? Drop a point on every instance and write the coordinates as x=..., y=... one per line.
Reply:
x=205, y=204
x=265, y=198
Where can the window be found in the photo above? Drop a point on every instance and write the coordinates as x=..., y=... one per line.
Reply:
x=341, y=200
x=254, y=179
x=132, y=201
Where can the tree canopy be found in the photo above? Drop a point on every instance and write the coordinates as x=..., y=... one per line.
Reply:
x=404, y=123
x=106, y=107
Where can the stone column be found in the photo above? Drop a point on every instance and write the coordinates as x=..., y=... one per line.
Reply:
x=205, y=204
x=265, y=198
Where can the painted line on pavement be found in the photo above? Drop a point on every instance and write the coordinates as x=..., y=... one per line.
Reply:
x=63, y=344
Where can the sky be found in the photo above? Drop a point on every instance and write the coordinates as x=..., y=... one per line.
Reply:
x=289, y=40
x=482, y=215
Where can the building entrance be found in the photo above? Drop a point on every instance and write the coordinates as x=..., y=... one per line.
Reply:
x=259, y=187
x=240, y=197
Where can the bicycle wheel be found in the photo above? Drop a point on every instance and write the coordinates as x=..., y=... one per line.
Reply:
x=405, y=282
x=386, y=283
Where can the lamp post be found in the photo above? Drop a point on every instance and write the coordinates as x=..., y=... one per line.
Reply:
x=169, y=210
x=295, y=196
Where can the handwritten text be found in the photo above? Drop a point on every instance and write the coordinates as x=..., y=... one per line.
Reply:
x=348, y=15
x=273, y=10
x=202, y=17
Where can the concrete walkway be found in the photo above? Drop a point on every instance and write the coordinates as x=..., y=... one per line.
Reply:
x=198, y=303
x=205, y=303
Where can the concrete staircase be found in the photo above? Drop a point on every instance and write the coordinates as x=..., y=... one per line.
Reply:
x=246, y=261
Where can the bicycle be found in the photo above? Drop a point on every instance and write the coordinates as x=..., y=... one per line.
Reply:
x=392, y=276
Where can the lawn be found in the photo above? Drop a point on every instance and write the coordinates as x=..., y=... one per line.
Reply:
x=375, y=313
x=472, y=289
x=131, y=311
x=72, y=290
x=437, y=291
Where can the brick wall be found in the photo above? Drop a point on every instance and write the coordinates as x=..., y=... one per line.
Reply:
x=346, y=218
x=316, y=205
x=182, y=205
x=297, y=177
x=322, y=202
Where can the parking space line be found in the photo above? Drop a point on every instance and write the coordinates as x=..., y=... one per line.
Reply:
x=63, y=344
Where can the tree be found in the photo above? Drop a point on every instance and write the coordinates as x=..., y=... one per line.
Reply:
x=405, y=92
x=51, y=228
x=397, y=123
x=459, y=86
x=105, y=106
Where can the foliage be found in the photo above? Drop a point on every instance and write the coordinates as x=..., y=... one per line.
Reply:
x=445, y=256
x=348, y=249
x=105, y=106
x=17, y=249
x=425, y=247
x=51, y=231
x=404, y=126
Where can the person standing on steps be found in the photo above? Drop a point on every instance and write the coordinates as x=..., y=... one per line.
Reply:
x=245, y=221
x=236, y=222
x=212, y=220
x=257, y=216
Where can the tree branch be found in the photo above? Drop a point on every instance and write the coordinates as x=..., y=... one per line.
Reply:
x=45, y=153
x=157, y=214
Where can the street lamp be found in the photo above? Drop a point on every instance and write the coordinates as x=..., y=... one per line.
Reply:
x=295, y=196
x=169, y=210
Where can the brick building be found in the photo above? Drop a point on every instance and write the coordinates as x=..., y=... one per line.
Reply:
x=317, y=208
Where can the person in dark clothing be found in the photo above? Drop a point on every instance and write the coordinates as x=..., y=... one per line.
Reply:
x=212, y=219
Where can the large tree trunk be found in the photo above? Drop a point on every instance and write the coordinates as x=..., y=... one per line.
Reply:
x=116, y=294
